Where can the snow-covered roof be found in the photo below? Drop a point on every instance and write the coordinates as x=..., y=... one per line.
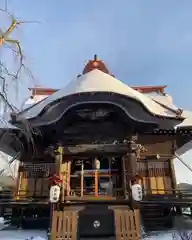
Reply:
x=98, y=81
x=187, y=123
x=188, y=120
x=165, y=100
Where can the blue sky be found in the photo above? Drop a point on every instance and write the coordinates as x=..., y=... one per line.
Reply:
x=143, y=42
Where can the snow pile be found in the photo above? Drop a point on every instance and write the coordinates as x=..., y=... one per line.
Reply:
x=19, y=234
x=23, y=235
x=36, y=238
x=3, y=223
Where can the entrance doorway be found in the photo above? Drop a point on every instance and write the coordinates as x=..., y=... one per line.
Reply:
x=99, y=176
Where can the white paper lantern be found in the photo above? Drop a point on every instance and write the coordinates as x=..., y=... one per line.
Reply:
x=97, y=164
x=54, y=194
x=137, y=193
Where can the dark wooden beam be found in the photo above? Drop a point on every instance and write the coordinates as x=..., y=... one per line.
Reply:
x=84, y=150
x=94, y=149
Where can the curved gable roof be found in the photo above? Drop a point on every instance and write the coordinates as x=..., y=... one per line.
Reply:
x=98, y=81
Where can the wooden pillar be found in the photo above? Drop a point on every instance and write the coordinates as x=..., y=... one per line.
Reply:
x=64, y=180
x=82, y=178
x=59, y=160
x=68, y=178
x=63, y=171
x=173, y=176
x=96, y=167
x=19, y=180
x=191, y=211
x=58, y=163
x=129, y=166
x=55, y=207
x=172, y=168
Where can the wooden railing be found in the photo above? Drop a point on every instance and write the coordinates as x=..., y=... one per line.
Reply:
x=88, y=194
x=116, y=194
x=168, y=193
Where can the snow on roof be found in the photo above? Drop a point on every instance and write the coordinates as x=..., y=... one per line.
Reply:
x=98, y=81
x=187, y=123
x=188, y=120
x=163, y=99
x=38, y=90
x=167, y=101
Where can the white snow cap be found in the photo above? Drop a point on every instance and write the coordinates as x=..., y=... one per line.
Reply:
x=98, y=81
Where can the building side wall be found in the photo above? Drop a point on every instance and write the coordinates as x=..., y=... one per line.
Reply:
x=158, y=176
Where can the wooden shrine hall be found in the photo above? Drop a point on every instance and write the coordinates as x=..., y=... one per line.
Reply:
x=96, y=139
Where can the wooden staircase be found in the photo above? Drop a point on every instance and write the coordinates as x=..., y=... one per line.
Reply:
x=155, y=217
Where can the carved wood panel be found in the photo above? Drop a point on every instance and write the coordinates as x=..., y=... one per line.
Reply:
x=37, y=170
x=34, y=179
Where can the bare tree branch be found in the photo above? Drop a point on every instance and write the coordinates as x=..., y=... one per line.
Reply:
x=9, y=75
x=7, y=42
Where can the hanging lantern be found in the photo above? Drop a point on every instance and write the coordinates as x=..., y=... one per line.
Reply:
x=97, y=164
x=137, y=193
x=54, y=194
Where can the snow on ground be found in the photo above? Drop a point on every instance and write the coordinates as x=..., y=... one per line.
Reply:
x=23, y=235
x=20, y=234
